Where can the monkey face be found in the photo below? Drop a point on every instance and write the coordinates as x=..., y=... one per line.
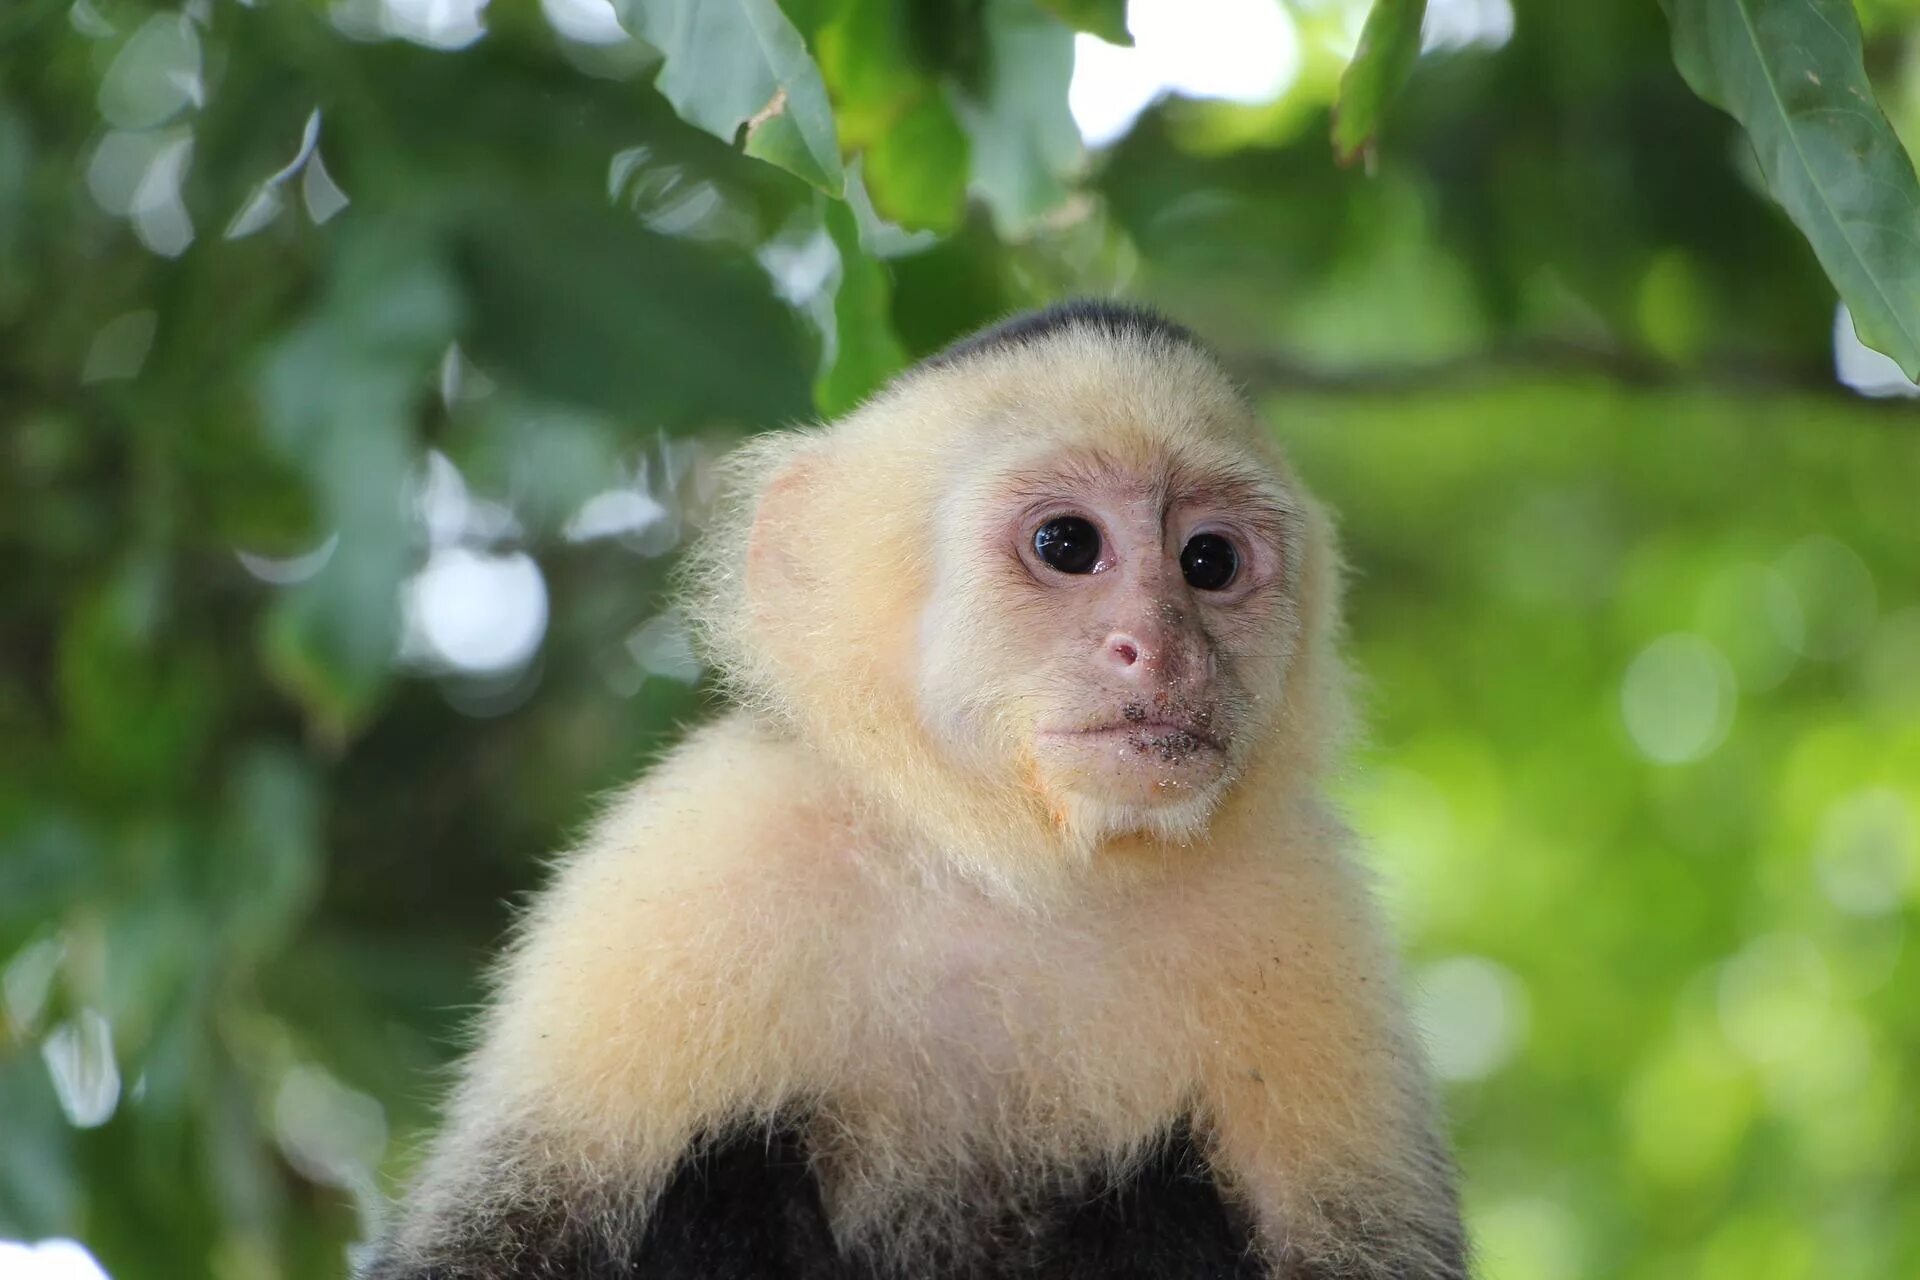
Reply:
x=1116, y=626
x=1038, y=596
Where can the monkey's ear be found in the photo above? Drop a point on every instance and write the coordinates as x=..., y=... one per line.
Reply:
x=778, y=542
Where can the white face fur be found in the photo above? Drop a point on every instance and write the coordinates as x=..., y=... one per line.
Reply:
x=1112, y=629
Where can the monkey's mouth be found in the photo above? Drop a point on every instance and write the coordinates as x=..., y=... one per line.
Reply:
x=1171, y=738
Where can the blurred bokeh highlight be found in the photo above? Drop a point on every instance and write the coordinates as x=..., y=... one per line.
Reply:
x=362, y=367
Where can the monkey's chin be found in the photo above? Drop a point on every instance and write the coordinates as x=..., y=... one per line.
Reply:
x=1131, y=782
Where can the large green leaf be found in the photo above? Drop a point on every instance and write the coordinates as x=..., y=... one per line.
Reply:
x=730, y=63
x=867, y=352
x=892, y=108
x=1389, y=44
x=1790, y=71
x=917, y=173
x=1025, y=144
x=582, y=304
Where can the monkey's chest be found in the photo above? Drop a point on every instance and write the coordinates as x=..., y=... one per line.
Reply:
x=972, y=994
x=977, y=1035
x=978, y=999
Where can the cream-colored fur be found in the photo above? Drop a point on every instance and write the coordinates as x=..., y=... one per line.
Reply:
x=833, y=902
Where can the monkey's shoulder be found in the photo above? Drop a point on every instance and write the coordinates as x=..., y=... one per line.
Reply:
x=733, y=799
x=662, y=974
x=698, y=876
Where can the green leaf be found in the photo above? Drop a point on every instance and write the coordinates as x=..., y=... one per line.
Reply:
x=338, y=395
x=52, y=861
x=16, y=157
x=551, y=457
x=1104, y=18
x=1389, y=44
x=138, y=699
x=583, y=305
x=917, y=173
x=41, y=1190
x=269, y=849
x=1790, y=71
x=893, y=111
x=872, y=68
x=868, y=352
x=1025, y=144
x=729, y=63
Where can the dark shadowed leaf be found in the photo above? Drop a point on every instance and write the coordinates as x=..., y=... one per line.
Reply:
x=134, y=716
x=14, y=161
x=1790, y=71
x=585, y=305
x=1389, y=44
x=730, y=63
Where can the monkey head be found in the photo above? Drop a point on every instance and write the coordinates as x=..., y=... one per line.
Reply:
x=1108, y=615
x=1053, y=589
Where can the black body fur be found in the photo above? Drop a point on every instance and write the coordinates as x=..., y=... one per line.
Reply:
x=749, y=1208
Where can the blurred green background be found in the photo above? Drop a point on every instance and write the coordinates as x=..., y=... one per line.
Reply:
x=362, y=364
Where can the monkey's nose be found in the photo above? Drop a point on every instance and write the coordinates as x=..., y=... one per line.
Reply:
x=1126, y=654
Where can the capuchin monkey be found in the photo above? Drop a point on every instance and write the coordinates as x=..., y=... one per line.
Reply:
x=1004, y=927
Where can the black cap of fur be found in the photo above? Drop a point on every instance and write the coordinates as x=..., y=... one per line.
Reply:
x=1115, y=319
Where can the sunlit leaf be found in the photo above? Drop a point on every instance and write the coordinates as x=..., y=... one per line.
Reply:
x=1389, y=44
x=1790, y=72
x=735, y=63
x=895, y=112
x=870, y=60
x=917, y=173
x=1025, y=143
x=867, y=351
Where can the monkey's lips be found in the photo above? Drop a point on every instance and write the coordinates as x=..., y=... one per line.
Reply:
x=1136, y=761
x=1181, y=735
x=1154, y=748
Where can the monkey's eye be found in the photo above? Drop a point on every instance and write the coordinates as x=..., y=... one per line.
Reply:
x=1068, y=543
x=1209, y=562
